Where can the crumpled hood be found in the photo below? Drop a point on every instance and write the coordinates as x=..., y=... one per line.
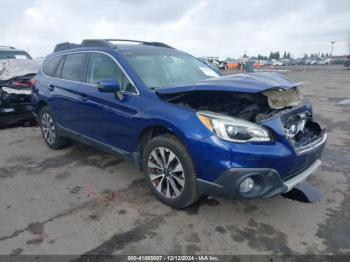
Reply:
x=10, y=68
x=245, y=83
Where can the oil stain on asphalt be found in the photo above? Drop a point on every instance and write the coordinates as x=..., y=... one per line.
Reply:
x=259, y=236
x=120, y=240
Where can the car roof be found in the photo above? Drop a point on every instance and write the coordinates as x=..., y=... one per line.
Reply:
x=123, y=49
x=118, y=44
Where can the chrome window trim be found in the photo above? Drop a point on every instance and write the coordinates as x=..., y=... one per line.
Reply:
x=101, y=52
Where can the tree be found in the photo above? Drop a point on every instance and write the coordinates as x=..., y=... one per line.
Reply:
x=277, y=55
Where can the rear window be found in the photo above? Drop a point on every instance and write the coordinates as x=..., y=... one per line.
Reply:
x=14, y=55
x=58, y=71
x=49, y=68
x=73, y=67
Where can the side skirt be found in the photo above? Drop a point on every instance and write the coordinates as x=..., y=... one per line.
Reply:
x=131, y=157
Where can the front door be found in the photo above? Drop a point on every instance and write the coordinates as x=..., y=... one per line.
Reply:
x=103, y=116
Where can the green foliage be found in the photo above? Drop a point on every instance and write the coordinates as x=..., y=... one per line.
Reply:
x=275, y=55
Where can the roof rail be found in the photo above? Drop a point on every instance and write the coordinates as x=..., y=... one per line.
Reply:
x=7, y=46
x=97, y=43
x=65, y=46
x=158, y=44
x=104, y=43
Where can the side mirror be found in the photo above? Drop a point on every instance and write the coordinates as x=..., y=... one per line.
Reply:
x=108, y=86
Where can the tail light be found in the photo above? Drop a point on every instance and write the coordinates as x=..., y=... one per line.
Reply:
x=20, y=84
x=32, y=82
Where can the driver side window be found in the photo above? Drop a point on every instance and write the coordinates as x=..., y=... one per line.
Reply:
x=103, y=67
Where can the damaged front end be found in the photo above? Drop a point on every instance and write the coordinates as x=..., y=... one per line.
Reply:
x=256, y=108
x=280, y=98
x=251, y=107
x=273, y=142
x=302, y=132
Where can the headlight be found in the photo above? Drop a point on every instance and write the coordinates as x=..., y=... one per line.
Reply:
x=233, y=129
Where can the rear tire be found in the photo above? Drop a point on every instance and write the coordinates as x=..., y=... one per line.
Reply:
x=50, y=131
x=169, y=171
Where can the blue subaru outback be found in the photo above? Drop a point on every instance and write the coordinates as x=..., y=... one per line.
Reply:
x=190, y=130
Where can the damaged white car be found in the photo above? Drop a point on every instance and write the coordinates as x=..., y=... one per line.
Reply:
x=17, y=68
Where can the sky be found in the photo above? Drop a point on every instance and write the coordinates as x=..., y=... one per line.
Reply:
x=222, y=28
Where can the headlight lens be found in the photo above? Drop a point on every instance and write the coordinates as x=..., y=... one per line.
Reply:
x=233, y=129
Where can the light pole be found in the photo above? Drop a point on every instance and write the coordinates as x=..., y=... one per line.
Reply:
x=332, y=43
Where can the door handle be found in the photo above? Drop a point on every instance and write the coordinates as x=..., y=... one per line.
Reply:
x=83, y=97
x=51, y=87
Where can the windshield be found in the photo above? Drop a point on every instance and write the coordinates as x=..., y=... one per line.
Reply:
x=14, y=55
x=169, y=69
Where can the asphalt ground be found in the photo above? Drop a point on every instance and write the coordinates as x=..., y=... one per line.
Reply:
x=81, y=201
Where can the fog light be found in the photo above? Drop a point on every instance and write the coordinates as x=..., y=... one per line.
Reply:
x=246, y=185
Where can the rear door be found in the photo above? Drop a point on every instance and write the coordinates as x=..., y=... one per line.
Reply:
x=68, y=91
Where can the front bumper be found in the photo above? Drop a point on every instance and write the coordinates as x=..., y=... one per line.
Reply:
x=268, y=182
x=290, y=183
x=276, y=166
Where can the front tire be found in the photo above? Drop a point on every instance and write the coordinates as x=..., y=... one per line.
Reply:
x=50, y=131
x=169, y=171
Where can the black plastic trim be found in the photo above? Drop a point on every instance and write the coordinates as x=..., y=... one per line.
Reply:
x=95, y=143
x=268, y=183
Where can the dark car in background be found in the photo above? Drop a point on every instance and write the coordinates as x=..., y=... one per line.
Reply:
x=17, y=69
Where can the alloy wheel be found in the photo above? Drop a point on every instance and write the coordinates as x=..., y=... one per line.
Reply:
x=166, y=172
x=48, y=128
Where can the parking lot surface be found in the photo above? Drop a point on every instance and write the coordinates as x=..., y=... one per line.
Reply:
x=82, y=201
